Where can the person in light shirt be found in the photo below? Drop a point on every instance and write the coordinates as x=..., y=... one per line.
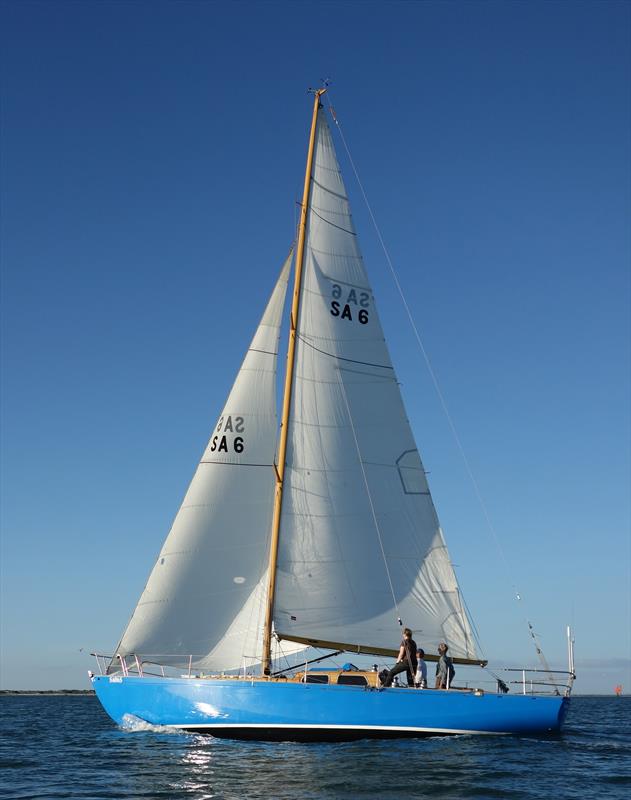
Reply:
x=420, y=679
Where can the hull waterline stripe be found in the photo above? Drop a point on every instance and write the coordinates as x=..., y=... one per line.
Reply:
x=292, y=726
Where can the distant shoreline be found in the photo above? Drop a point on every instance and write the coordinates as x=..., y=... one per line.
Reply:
x=6, y=692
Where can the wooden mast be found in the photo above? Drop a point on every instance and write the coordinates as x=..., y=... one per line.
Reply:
x=289, y=377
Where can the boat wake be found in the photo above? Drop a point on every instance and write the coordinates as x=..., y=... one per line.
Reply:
x=133, y=724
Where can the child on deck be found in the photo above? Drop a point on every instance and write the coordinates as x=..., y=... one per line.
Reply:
x=420, y=679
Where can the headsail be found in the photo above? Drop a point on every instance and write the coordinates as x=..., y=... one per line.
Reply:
x=360, y=542
x=205, y=594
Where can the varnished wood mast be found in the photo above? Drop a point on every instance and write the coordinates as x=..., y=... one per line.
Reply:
x=289, y=377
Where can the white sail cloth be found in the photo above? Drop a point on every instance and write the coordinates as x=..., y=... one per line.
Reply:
x=360, y=542
x=205, y=596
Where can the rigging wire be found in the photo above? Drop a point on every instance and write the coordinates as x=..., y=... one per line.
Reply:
x=281, y=654
x=474, y=627
x=434, y=379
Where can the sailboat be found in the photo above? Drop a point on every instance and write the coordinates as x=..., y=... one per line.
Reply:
x=318, y=532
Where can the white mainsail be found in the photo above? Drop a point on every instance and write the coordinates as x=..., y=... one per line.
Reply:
x=205, y=595
x=360, y=542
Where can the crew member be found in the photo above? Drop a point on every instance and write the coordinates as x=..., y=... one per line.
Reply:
x=420, y=679
x=444, y=668
x=406, y=660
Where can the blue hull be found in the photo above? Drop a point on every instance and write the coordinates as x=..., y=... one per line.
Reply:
x=300, y=712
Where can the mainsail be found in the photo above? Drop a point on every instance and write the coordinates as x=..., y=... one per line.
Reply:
x=360, y=543
x=204, y=597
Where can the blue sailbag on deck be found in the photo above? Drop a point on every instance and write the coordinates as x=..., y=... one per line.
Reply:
x=331, y=536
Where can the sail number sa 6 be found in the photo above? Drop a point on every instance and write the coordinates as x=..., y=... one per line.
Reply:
x=350, y=304
x=221, y=442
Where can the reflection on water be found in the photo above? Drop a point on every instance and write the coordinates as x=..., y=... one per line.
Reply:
x=197, y=764
x=67, y=747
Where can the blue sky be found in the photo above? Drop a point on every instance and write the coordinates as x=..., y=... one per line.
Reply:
x=152, y=156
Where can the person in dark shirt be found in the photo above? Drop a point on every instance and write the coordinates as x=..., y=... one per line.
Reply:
x=444, y=668
x=406, y=660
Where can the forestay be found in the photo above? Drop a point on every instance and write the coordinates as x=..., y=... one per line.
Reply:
x=360, y=542
x=205, y=594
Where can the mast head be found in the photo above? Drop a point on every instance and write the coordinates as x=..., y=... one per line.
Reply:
x=319, y=92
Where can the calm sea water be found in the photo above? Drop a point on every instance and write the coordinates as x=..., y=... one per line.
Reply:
x=56, y=747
